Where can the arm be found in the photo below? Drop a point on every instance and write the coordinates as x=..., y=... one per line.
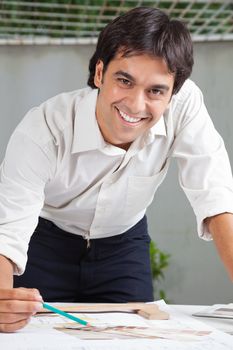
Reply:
x=6, y=273
x=16, y=304
x=221, y=228
x=23, y=175
x=205, y=176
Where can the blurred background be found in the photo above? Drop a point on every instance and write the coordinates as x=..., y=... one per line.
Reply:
x=45, y=47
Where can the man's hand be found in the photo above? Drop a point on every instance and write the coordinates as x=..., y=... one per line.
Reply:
x=221, y=228
x=17, y=305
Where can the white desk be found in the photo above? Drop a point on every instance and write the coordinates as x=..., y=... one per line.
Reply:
x=222, y=324
x=44, y=337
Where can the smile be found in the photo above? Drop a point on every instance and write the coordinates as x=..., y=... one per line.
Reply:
x=129, y=119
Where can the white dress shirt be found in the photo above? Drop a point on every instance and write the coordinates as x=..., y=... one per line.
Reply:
x=59, y=167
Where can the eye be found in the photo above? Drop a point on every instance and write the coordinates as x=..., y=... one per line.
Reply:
x=156, y=92
x=124, y=81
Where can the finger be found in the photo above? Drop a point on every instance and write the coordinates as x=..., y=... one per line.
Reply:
x=12, y=318
x=34, y=290
x=19, y=306
x=20, y=294
x=9, y=328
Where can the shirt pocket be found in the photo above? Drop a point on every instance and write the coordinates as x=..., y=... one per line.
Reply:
x=141, y=190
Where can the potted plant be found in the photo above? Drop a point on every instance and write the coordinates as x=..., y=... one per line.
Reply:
x=159, y=262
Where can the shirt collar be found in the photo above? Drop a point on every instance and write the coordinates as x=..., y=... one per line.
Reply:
x=159, y=128
x=87, y=135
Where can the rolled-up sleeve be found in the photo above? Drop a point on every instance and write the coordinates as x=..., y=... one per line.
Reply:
x=23, y=175
x=204, y=168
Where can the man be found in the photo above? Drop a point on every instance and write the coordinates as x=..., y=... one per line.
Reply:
x=89, y=162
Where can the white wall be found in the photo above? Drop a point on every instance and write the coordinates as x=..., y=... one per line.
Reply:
x=31, y=74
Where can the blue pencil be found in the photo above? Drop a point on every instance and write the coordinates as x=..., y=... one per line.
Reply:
x=63, y=313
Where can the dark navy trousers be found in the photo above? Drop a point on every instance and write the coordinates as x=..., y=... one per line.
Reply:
x=113, y=269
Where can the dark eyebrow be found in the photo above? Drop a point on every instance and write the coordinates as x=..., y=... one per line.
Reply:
x=124, y=74
x=160, y=87
x=131, y=78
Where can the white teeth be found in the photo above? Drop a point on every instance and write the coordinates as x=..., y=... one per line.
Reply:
x=127, y=118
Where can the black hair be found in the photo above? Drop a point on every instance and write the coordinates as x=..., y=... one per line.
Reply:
x=146, y=30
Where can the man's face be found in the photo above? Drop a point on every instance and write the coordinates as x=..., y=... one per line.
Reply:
x=133, y=94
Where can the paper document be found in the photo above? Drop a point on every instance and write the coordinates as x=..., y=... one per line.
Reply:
x=35, y=338
x=117, y=331
x=217, y=311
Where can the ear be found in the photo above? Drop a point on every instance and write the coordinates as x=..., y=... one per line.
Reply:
x=98, y=78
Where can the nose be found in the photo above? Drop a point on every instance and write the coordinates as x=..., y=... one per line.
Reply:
x=137, y=102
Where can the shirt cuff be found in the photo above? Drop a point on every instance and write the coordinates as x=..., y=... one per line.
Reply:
x=207, y=203
x=202, y=229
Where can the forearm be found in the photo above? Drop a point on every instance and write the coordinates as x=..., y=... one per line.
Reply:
x=221, y=228
x=6, y=272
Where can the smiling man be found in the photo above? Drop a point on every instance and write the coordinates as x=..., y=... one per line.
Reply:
x=133, y=94
x=81, y=169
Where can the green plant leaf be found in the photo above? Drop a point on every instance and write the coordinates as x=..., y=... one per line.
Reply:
x=159, y=261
